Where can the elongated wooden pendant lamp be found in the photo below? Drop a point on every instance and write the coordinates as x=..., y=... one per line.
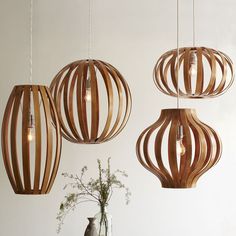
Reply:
x=31, y=137
x=92, y=98
x=178, y=148
x=205, y=72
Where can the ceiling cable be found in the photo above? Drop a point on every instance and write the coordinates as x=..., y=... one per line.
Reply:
x=177, y=54
x=31, y=43
x=194, y=20
x=90, y=30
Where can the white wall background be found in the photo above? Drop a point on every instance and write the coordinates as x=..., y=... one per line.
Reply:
x=131, y=35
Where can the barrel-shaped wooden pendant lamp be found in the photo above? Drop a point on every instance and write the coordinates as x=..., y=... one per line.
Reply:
x=178, y=148
x=93, y=101
x=31, y=139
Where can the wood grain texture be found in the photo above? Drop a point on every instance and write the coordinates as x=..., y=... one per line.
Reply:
x=24, y=164
x=214, y=73
x=90, y=124
x=202, y=144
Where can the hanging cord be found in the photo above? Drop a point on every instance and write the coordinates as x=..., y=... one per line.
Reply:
x=178, y=54
x=31, y=43
x=90, y=30
x=31, y=46
x=194, y=23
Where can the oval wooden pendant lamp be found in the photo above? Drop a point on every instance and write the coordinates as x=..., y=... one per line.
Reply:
x=31, y=139
x=92, y=98
x=204, y=72
x=184, y=148
x=80, y=90
x=31, y=135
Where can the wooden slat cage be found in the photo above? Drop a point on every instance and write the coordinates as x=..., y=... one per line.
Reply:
x=201, y=142
x=87, y=122
x=31, y=163
x=214, y=73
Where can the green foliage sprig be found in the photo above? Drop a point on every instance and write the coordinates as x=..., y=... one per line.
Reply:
x=98, y=190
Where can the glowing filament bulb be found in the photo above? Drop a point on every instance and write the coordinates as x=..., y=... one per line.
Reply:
x=30, y=134
x=193, y=64
x=88, y=94
x=193, y=70
x=180, y=148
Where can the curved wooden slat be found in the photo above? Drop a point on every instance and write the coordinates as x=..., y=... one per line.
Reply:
x=117, y=124
x=174, y=73
x=95, y=102
x=172, y=152
x=67, y=94
x=25, y=142
x=107, y=81
x=5, y=139
x=185, y=160
x=187, y=77
x=48, y=120
x=128, y=103
x=200, y=74
x=158, y=149
x=14, y=154
x=69, y=99
x=58, y=143
x=214, y=150
x=145, y=159
x=201, y=142
x=212, y=61
x=81, y=103
x=38, y=140
x=58, y=95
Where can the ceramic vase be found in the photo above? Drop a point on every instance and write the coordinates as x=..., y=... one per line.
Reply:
x=91, y=228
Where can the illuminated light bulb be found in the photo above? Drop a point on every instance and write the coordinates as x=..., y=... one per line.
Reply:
x=193, y=70
x=30, y=133
x=180, y=148
x=193, y=64
x=88, y=95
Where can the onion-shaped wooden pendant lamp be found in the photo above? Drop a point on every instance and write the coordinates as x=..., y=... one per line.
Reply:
x=31, y=136
x=92, y=98
x=178, y=148
x=205, y=72
x=192, y=148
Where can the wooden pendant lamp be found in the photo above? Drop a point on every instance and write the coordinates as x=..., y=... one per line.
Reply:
x=31, y=148
x=31, y=137
x=178, y=148
x=92, y=98
x=205, y=72
x=191, y=147
x=80, y=91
